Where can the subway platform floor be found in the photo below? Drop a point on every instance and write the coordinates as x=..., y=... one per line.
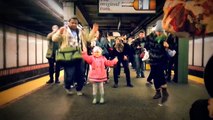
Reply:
x=50, y=102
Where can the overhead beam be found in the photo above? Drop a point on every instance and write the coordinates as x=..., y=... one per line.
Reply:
x=46, y=7
x=84, y=13
x=81, y=18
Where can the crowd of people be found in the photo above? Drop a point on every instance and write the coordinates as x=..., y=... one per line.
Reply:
x=88, y=56
x=96, y=53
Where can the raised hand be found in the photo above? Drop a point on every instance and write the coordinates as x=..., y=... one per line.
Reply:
x=165, y=44
x=125, y=57
x=95, y=27
x=115, y=59
x=55, y=28
x=84, y=48
x=61, y=30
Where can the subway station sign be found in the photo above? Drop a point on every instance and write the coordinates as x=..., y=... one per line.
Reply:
x=127, y=6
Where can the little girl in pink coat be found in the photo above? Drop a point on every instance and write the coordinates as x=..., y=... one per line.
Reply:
x=97, y=73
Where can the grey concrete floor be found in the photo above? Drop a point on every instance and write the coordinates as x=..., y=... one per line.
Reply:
x=123, y=103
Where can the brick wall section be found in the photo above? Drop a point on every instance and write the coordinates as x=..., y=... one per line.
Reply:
x=22, y=69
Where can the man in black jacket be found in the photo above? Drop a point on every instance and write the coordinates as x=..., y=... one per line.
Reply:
x=138, y=46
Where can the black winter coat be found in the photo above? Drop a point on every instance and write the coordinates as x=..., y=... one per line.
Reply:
x=157, y=52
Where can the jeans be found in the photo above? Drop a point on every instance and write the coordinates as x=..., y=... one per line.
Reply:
x=139, y=65
x=74, y=72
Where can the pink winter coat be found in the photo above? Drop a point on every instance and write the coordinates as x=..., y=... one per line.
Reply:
x=97, y=73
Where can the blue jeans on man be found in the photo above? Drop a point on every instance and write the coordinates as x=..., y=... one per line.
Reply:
x=139, y=66
x=74, y=73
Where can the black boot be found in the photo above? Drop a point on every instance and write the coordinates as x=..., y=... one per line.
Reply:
x=50, y=81
x=115, y=86
x=157, y=94
x=164, y=92
x=165, y=95
x=57, y=81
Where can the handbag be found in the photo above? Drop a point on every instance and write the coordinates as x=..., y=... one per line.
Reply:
x=146, y=55
x=142, y=54
x=68, y=54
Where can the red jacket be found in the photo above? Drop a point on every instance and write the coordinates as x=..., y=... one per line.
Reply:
x=97, y=72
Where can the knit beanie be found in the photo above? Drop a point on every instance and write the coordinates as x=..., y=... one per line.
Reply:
x=158, y=27
x=97, y=48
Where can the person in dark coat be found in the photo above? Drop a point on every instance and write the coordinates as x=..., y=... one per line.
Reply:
x=54, y=66
x=138, y=46
x=172, y=60
x=157, y=55
x=150, y=37
x=121, y=53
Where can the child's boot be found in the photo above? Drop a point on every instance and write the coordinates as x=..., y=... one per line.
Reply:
x=102, y=99
x=94, y=99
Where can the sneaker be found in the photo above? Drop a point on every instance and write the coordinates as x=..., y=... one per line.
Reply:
x=94, y=101
x=101, y=100
x=106, y=82
x=57, y=82
x=138, y=76
x=49, y=81
x=115, y=86
x=130, y=85
x=79, y=93
x=142, y=76
x=69, y=91
x=149, y=83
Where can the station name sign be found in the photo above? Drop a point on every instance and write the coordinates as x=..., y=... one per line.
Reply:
x=127, y=6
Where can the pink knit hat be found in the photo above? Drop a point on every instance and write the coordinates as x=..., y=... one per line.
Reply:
x=97, y=48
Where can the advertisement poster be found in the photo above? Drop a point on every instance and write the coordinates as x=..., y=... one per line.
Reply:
x=127, y=6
